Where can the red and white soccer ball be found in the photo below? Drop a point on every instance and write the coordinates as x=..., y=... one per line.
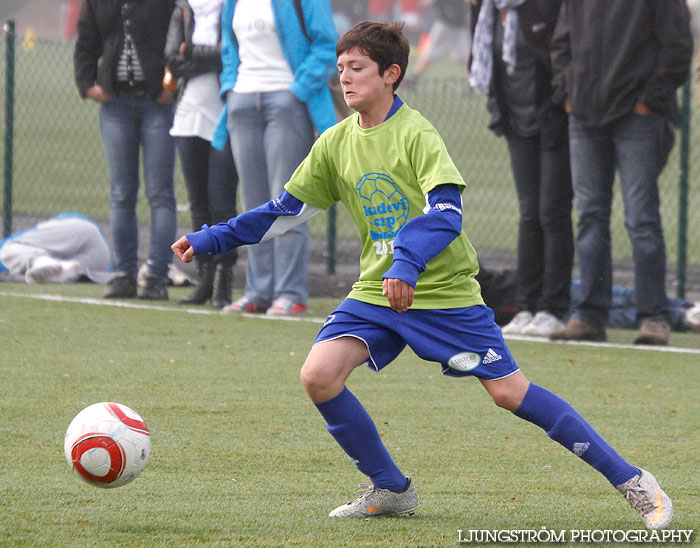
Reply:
x=107, y=444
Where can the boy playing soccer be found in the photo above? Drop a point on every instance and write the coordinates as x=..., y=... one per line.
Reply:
x=391, y=169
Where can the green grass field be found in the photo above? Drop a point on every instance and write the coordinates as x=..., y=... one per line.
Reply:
x=240, y=457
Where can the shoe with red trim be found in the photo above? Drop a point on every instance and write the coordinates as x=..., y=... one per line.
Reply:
x=244, y=304
x=282, y=306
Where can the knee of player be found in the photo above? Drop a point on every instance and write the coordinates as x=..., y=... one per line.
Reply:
x=505, y=398
x=312, y=379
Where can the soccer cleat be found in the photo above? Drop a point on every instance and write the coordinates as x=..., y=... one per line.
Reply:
x=244, y=304
x=577, y=329
x=646, y=496
x=543, y=325
x=654, y=332
x=521, y=320
x=375, y=501
x=282, y=306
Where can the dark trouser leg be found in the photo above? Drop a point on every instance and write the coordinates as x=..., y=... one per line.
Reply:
x=525, y=165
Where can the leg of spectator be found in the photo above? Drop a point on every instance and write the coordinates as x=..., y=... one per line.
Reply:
x=159, y=164
x=288, y=138
x=525, y=165
x=556, y=197
x=593, y=174
x=119, y=126
x=246, y=126
x=637, y=140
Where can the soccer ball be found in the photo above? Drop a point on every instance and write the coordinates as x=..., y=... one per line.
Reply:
x=107, y=444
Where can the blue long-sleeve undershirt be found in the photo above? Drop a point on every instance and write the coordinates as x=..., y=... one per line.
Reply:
x=425, y=236
x=420, y=240
x=257, y=225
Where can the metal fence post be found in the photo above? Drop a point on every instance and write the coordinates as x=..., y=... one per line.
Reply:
x=9, y=125
x=330, y=241
x=683, y=192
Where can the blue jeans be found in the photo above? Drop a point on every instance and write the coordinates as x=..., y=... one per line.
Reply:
x=128, y=125
x=271, y=133
x=634, y=145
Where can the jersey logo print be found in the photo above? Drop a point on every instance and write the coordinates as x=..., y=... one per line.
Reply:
x=384, y=205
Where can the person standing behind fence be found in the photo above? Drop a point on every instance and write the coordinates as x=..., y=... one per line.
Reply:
x=275, y=82
x=193, y=57
x=617, y=66
x=449, y=32
x=510, y=62
x=119, y=63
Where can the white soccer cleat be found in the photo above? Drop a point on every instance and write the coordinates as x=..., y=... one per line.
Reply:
x=380, y=502
x=646, y=496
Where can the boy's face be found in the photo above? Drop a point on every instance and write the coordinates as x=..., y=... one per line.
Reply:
x=362, y=84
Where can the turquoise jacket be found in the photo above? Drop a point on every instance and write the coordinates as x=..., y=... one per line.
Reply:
x=312, y=64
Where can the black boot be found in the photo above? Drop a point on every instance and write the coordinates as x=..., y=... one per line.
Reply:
x=205, y=284
x=223, y=281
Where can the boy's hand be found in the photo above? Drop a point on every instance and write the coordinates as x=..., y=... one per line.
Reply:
x=399, y=294
x=183, y=250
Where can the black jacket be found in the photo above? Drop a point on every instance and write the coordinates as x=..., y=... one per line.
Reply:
x=101, y=39
x=197, y=59
x=536, y=21
x=607, y=55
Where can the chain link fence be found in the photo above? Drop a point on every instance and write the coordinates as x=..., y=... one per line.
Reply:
x=55, y=161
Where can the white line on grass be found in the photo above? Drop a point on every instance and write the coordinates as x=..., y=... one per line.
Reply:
x=147, y=306
x=311, y=319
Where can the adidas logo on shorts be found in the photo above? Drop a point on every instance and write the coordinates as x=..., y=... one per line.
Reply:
x=491, y=357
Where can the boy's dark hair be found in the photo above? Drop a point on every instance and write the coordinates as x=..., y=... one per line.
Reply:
x=384, y=43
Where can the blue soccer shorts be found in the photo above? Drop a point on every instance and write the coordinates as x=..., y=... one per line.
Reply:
x=465, y=341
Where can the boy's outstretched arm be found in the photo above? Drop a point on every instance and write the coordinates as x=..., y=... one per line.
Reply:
x=421, y=239
x=257, y=225
x=183, y=250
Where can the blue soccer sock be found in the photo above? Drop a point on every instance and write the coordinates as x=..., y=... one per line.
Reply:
x=566, y=426
x=353, y=429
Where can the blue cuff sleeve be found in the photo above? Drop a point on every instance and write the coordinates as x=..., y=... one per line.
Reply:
x=405, y=271
x=426, y=236
x=248, y=228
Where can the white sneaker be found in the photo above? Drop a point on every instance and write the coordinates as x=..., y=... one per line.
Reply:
x=692, y=318
x=518, y=323
x=646, y=496
x=282, y=306
x=43, y=270
x=543, y=324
